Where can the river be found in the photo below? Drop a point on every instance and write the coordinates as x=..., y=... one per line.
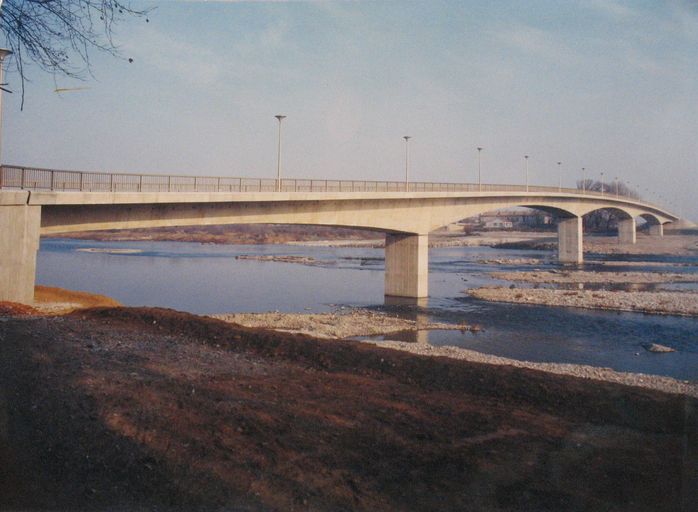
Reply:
x=207, y=278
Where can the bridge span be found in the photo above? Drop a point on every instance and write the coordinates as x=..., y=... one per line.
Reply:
x=41, y=201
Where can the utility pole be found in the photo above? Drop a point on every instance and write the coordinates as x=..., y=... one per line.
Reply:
x=479, y=173
x=526, y=159
x=278, y=156
x=407, y=163
x=3, y=53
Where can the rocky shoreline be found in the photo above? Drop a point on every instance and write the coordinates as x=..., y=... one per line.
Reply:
x=656, y=382
x=358, y=322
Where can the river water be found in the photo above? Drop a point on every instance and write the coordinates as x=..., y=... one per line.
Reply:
x=207, y=278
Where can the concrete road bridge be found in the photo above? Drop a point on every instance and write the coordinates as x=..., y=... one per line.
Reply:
x=42, y=201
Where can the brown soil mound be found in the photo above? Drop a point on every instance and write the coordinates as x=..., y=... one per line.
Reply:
x=152, y=409
x=43, y=294
x=15, y=309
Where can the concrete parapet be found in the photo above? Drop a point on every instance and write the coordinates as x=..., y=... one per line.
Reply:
x=19, y=243
x=406, y=265
x=569, y=238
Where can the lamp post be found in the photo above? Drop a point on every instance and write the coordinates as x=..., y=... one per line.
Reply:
x=407, y=162
x=559, y=176
x=584, y=186
x=526, y=160
x=617, y=191
x=601, y=183
x=3, y=53
x=479, y=173
x=278, y=156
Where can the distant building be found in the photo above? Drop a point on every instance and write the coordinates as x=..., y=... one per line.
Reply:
x=496, y=223
x=523, y=218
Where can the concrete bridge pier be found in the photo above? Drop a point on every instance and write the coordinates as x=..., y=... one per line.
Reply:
x=626, y=231
x=406, y=265
x=19, y=243
x=656, y=230
x=569, y=240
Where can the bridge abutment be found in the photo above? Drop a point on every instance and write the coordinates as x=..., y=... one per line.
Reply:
x=569, y=240
x=626, y=231
x=19, y=243
x=656, y=230
x=406, y=265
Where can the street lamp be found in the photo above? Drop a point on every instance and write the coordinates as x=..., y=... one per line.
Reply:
x=617, y=191
x=407, y=163
x=3, y=53
x=559, y=175
x=526, y=160
x=584, y=186
x=601, y=183
x=278, y=156
x=479, y=174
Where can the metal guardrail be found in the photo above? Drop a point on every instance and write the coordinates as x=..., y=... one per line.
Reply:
x=33, y=178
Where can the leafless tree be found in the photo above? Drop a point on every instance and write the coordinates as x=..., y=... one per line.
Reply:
x=58, y=35
x=607, y=218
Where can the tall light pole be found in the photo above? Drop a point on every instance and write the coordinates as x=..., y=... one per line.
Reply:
x=601, y=183
x=526, y=160
x=559, y=176
x=617, y=191
x=278, y=156
x=584, y=185
x=407, y=162
x=3, y=53
x=479, y=169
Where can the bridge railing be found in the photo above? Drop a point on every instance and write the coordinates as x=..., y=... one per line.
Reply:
x=33, y=178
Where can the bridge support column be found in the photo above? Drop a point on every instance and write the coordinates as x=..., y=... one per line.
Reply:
x=626, y=231
x=656, y=230
x=19, y=242
x=569, y=240
x=406, y=265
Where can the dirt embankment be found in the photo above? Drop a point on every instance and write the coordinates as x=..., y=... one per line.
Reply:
x=126, y=409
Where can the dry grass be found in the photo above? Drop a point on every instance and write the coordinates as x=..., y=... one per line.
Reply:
x=48, y=299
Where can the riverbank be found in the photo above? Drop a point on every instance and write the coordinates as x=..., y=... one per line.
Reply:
x=641, y=380
x=311, y=236
x=137, y=408
x=358, y=322
x=663, y=303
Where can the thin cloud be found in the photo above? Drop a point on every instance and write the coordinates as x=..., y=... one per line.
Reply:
x=534, y=42
x=612, y=7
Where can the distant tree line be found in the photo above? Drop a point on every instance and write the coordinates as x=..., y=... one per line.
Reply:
x=606, y=219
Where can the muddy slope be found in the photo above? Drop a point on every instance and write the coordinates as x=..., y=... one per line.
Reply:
x=153, y=409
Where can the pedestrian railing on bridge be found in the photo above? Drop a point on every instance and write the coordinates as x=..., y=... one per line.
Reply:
x=32, y=178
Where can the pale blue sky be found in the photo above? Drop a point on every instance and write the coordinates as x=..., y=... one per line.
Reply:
x=603, y=84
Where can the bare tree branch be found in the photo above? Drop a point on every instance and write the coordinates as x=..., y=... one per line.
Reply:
x=58, y=35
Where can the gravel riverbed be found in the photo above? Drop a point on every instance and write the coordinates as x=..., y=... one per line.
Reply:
x=581, y=276
x=340, y=324
x=663, y=303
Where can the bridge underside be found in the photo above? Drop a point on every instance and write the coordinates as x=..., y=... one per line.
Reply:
x=405, y=221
